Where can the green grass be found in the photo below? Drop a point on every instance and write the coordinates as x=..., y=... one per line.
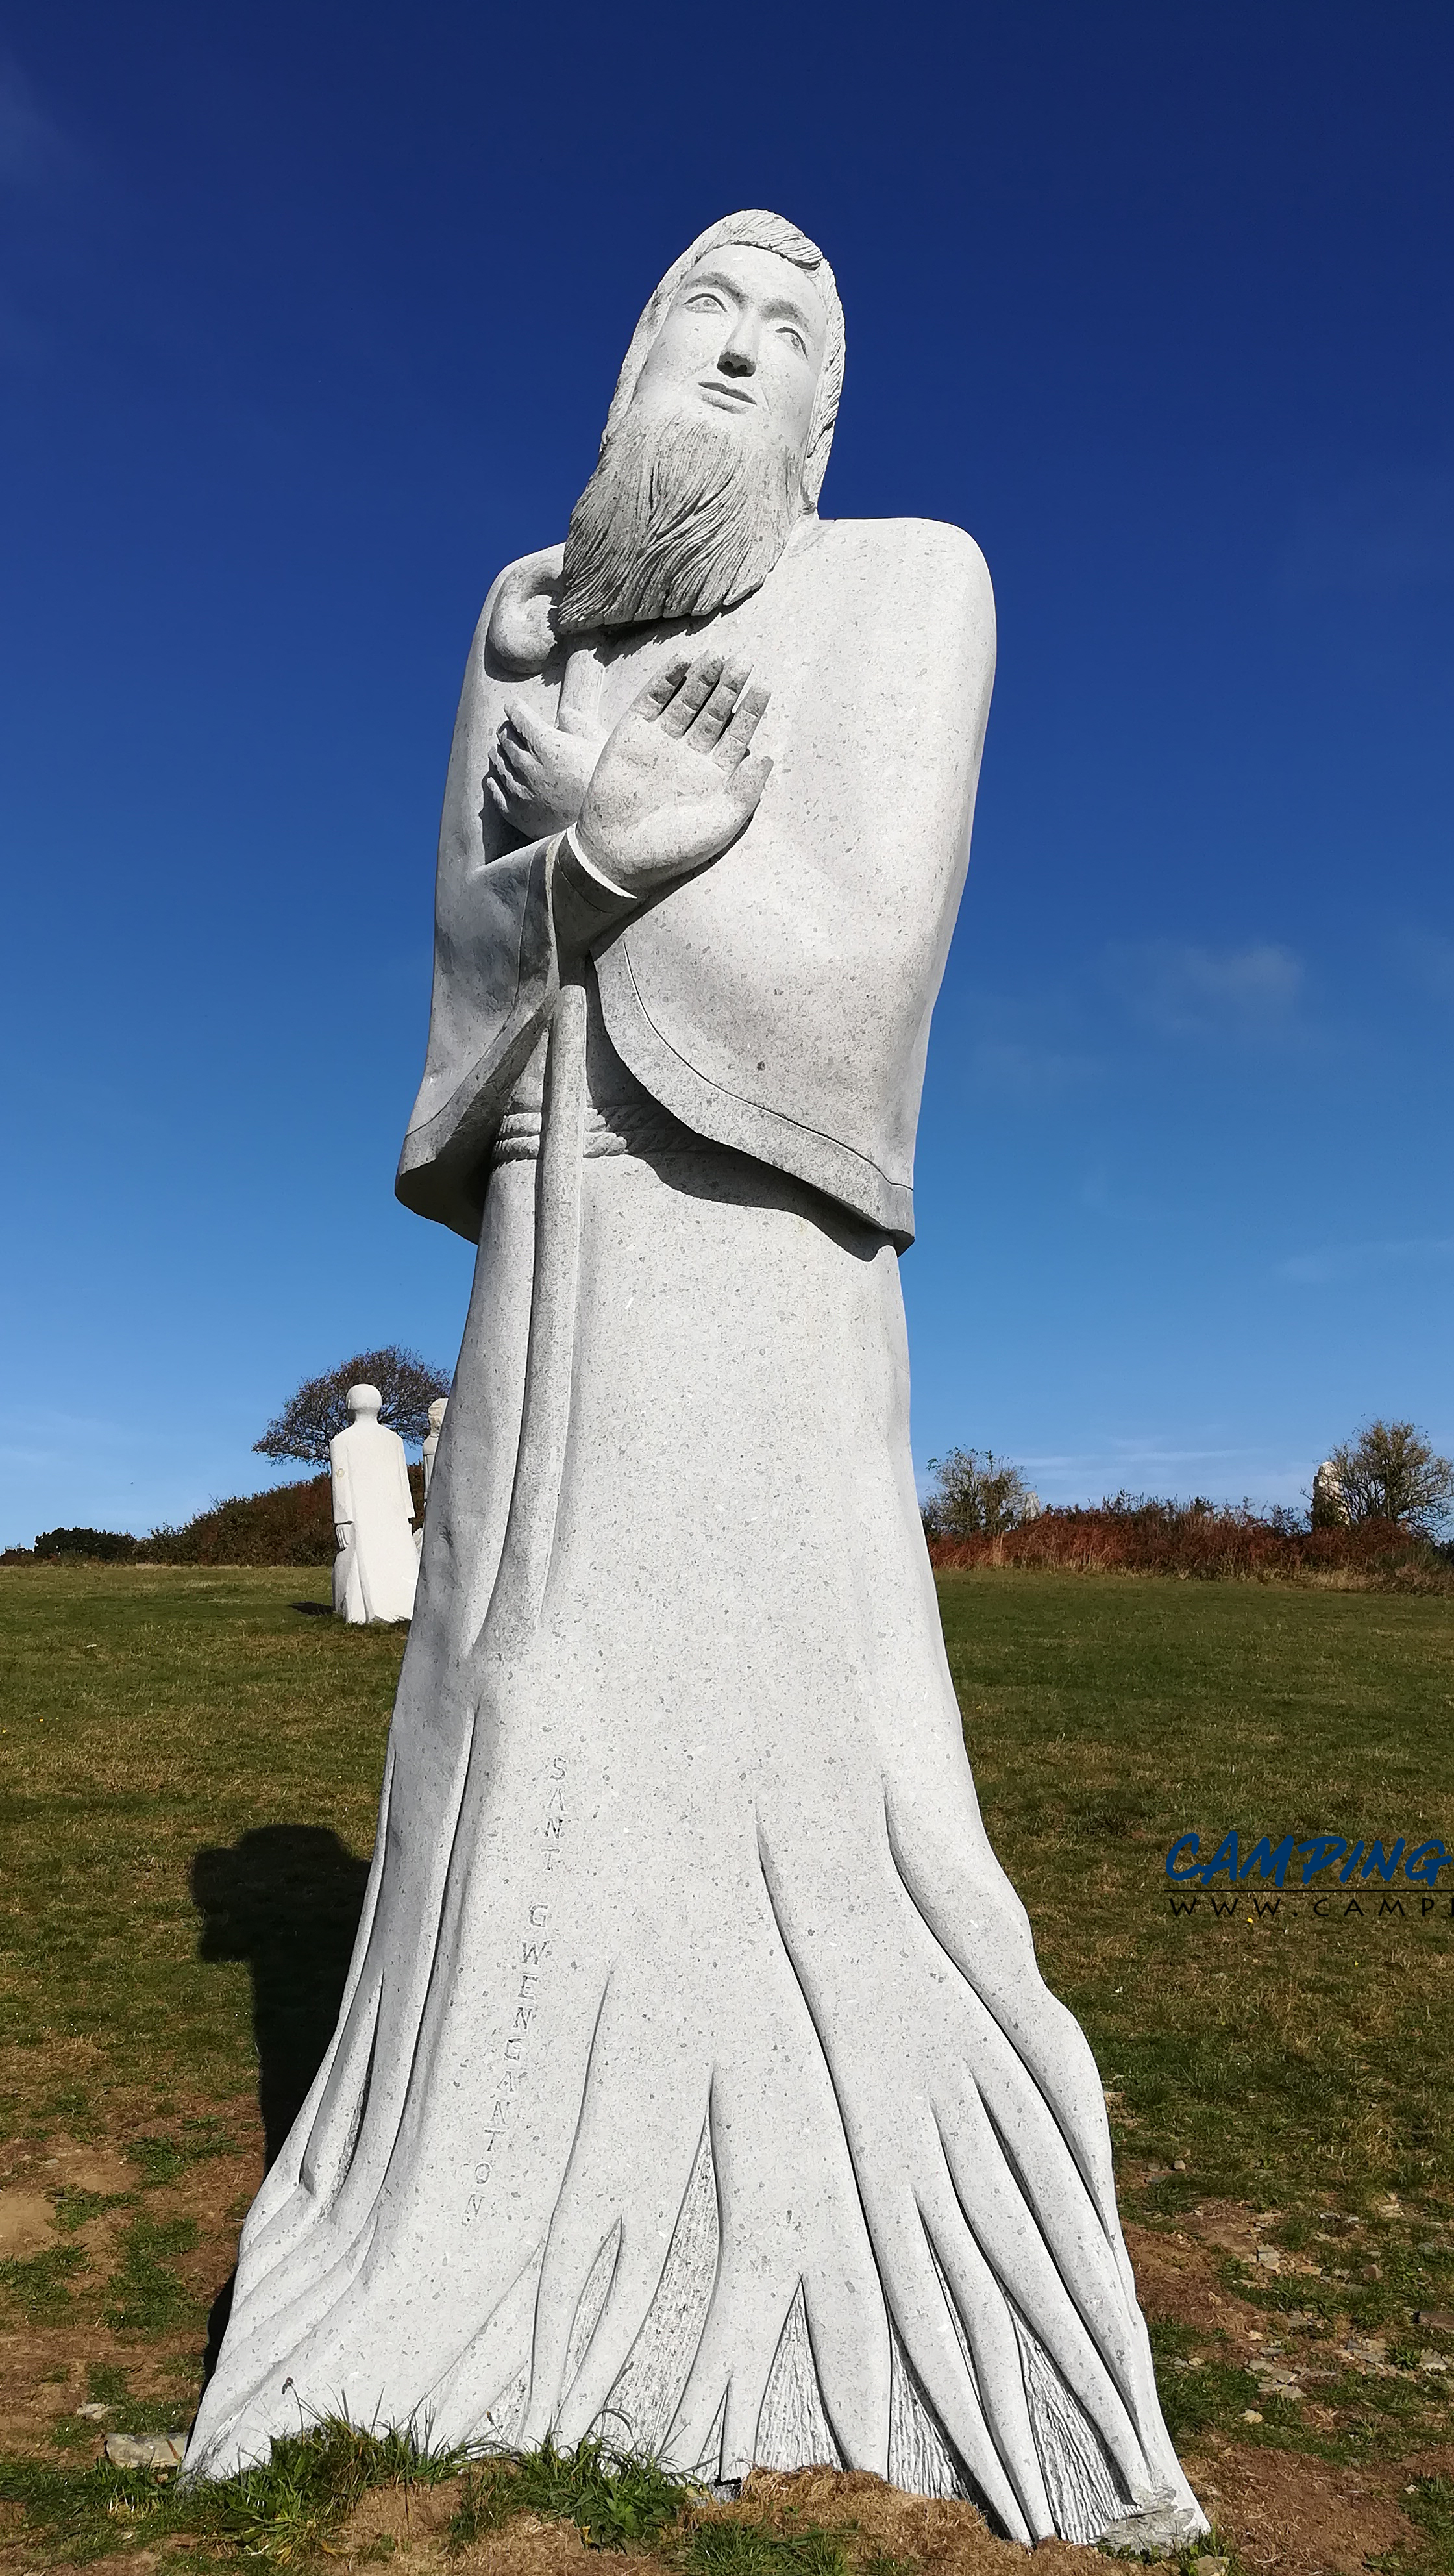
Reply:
x=148, y=1716
x=146, y=2296
x=614, y=2504
x=188, y=1776
x=291, y=2512
x=1282, y=2058
x=38, y=2286
x=284, y=2513
x=762, y=2549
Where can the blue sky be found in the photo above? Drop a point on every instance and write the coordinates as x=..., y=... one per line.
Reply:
x=309, y=316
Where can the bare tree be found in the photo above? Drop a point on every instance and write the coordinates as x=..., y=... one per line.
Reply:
x=1390, y=1472
x=317, y=1409
x=975, y=1491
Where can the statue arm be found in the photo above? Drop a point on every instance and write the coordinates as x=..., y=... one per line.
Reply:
x=496, y=962
x=509, y=913
x=779, y=1002
x=495, y=983
x=343, y=1513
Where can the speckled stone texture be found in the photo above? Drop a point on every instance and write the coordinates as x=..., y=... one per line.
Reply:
x=695, y=2083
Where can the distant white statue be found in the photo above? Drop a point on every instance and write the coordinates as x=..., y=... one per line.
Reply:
x=377, y=1565
x=1330, y=1503
x=437, y=1412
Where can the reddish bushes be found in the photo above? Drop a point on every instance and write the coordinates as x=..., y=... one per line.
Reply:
x=287, y=1525
x=1154, y=1537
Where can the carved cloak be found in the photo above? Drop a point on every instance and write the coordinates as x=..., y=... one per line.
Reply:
x=695, y=2081
x=779, y=1000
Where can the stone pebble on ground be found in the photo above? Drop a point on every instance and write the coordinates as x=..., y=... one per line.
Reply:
x=145, y=2450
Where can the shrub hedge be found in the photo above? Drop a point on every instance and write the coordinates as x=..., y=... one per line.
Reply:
x=288, y=1525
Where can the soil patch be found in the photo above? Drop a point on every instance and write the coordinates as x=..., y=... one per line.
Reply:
x=1296, y=2516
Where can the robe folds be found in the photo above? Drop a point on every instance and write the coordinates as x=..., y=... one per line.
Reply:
x=376, y=1569
x=695, y=2083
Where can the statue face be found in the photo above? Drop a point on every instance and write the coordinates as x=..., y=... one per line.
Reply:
x=743, y=339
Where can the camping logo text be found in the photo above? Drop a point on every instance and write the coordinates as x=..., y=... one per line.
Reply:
x=1364, y=1869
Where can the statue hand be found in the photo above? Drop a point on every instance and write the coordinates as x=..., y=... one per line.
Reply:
x=538, y=775
x=674, y=786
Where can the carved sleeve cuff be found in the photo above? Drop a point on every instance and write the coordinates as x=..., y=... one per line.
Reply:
x=585, y=903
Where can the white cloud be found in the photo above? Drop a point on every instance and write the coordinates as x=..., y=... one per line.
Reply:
x=1349, y=1260
x=1023, y=1071
x=1184, y=991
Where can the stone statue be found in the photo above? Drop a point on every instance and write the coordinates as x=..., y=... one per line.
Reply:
x=377, y=1565
x=1330, y=1502
x=437, y=1412
x=695, y=2081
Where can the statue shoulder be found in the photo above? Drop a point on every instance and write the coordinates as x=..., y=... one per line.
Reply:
x=515, y=623
x=927, y=558
x=907, y=587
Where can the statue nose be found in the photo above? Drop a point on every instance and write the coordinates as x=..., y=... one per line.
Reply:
x=738, y=359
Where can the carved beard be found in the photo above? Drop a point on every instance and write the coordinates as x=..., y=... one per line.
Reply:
x=682, y=517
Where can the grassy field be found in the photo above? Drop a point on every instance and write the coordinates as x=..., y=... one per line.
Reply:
x=189, y=1763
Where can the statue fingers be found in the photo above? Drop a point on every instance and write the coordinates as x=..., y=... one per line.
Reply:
x=691, y=696
x=715, y=712
x=659, y=693
x=505, y=799
x=746, y=716
x=516, y=760
x=522, y=725
x=745, y=784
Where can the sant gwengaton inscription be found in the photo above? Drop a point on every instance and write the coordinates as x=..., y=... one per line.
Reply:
x=694, y=2080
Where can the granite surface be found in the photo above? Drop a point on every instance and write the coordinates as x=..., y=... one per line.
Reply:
x=695, y=2083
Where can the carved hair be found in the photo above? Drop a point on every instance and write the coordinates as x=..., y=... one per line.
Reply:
x=754, y=229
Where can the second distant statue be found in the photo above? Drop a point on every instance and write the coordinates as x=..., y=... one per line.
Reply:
x=377, y=1564
x=437, y=1412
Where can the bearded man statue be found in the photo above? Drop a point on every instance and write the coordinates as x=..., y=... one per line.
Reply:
x=695, y=2084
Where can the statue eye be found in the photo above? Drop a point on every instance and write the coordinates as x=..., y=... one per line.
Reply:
x=704, y=301
x=796, y=338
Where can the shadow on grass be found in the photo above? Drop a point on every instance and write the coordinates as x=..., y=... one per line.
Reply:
x=286, y=1899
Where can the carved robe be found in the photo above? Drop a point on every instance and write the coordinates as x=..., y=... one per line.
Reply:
x=377, y=1565
x=695, y=2080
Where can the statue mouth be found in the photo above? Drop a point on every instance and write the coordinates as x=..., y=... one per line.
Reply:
x=726, y=397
